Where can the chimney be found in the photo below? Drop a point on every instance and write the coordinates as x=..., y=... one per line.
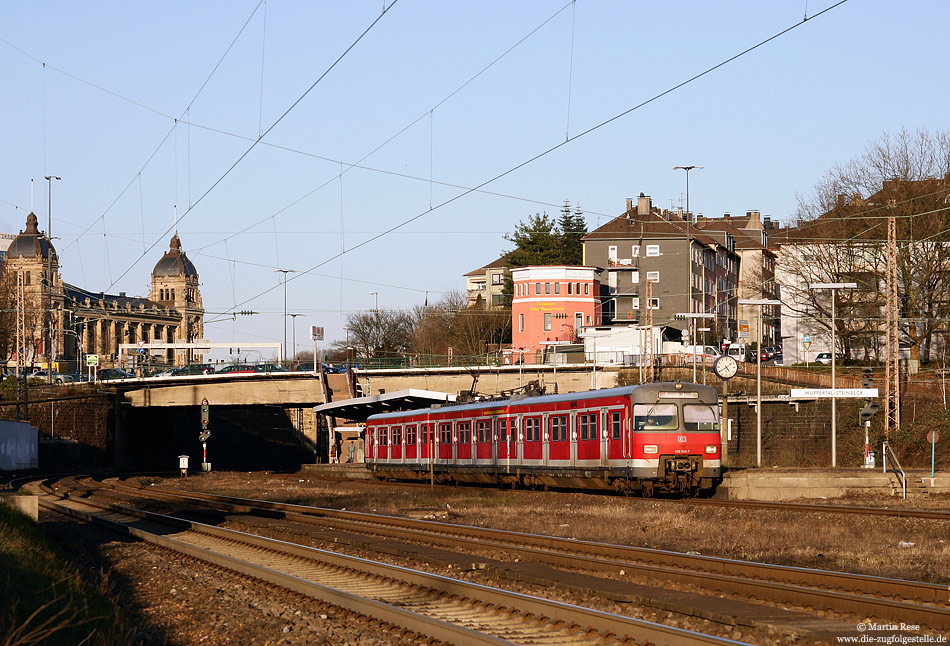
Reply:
x=679, y=213
x=644, y=204
x=755, y=221
x=629, y=204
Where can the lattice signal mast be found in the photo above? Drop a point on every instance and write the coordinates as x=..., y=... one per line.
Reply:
x=20, y=323
x=892, y=379
x=648, y=340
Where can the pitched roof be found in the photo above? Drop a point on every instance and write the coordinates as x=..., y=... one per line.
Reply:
x=494, y=264
x=649, y=226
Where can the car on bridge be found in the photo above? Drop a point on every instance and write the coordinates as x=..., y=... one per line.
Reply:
x=58, y=378
x=248, y=368
x=194, y=369
x=113, y=373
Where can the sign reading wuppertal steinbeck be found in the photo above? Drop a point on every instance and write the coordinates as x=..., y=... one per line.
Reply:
x=816, y=393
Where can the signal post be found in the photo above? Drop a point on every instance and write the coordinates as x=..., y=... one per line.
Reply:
x=205, y=434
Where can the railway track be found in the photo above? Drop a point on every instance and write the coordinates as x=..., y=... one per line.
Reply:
x=910, y=602
x=437, y=607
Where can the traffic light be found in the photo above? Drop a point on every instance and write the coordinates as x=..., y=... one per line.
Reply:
x=867, y=378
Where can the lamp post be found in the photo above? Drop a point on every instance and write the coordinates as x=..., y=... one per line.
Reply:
x=758, y=302
x=834, y=287
x=293, y=327
x=376, y=304
x=689, y=247
x=49, y=279
x=285, y=272
x=347, y=348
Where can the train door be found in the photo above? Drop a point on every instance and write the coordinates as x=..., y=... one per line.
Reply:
x=572, y=434
x=531, y=445
x=395, y=444
x=463, y=446
x=371, y=443
x=604, y=436
x=425, y=450
x=445, y=445
x=484, y=441
x=559, y=448
x=412, y=443
x=507, y=441
x=382, y=446
x=618, y=440
x=588, y=438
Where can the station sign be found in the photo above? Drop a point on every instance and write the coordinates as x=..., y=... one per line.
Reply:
x=316, y=333
x=818, y=393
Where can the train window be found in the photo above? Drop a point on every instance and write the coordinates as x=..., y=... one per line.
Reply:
x=424, y=434
x=465, y=432
x=502, y=430
x=411, y=435
x=700, y=417
x=655, y=417
x=445, y=433
x=532, y=429
x=397, y=435
x=558, y=428
x=383, y=436
x=483, y=426
x=616, y=423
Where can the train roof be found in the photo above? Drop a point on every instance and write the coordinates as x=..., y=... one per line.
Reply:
x=642, y=389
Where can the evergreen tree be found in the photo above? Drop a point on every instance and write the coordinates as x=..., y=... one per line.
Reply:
x=536, y=242
x=572, y=228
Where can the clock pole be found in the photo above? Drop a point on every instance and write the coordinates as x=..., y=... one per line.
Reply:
x=724, y=426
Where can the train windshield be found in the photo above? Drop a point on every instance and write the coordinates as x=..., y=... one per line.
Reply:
x=700, y=417
x=655, y=417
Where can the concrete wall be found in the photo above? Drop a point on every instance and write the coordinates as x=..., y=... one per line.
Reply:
x=19, y=446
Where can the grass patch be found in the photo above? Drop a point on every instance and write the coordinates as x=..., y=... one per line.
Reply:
x=47, y=599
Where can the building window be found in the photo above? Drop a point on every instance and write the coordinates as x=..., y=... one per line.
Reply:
x=547, y=288
x=497, y=279
x=557, y=288
x=654, y=303
x=537, y=288
x=636, y=303
x=653, y=250
x=635, y=251
x=586, y=289
x=521, y=322
x=612, y=282
x=653, y=276
x=497, y=299
x=570, y=289
x=612, y=254
x=547, y=321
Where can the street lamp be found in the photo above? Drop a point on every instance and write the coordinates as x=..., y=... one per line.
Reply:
x=834, y=287
x=49, y=279
x=692, y=337
x=285, y=272
x=347, y=330
x=689, y=246
x=376, y=306
x=758, y=302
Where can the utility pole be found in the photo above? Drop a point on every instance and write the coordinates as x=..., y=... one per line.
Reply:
x=892, y=380
x=49, y=279
x=285, y=272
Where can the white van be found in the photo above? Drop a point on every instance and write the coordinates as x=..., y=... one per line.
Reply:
x=707, y=353
x=738, y=351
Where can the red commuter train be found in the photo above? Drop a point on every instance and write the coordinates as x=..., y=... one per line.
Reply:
x=656, y=437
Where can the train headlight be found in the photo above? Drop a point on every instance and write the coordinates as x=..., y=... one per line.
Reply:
x=650, y=448
x=711, y=448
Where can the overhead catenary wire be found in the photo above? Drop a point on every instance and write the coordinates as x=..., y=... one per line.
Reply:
x=266, y=132
x=560, y=145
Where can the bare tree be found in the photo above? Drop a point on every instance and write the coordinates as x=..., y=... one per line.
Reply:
x=380, y=333
x=842, y=235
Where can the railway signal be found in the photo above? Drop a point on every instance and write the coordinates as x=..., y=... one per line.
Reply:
x=870, y=403
x=205, y=433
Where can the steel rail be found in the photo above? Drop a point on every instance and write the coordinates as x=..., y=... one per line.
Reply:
x=663, y=564
x=581, y=624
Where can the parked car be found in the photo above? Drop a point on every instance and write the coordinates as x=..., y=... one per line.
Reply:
x=825, y=358
x=194, y=369
x=58, y=378
x=106, y=374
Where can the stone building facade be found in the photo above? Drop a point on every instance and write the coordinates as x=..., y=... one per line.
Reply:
x=61, y=323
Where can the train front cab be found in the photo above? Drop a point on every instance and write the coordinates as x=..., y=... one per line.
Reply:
x=676, y=438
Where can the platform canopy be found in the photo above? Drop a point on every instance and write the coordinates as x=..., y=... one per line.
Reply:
x=360, y=408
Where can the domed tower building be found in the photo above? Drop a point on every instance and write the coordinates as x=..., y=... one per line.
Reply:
x=31, y=271
x=175, y=286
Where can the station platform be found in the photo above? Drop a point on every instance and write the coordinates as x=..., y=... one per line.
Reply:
x=795, y=484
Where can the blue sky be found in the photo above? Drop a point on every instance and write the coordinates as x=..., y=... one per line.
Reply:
x=102, y=116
